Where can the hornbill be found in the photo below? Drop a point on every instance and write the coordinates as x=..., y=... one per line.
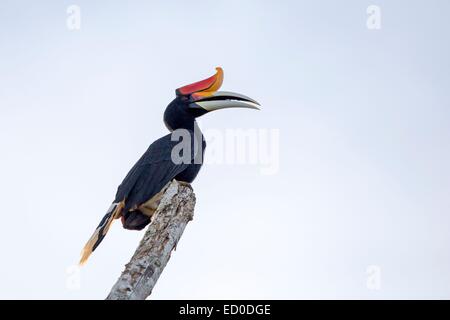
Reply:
x=139, y=193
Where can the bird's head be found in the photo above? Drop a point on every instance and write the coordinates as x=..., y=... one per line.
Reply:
x=199, y=98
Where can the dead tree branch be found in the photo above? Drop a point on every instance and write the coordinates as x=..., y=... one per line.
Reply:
x=175, y=210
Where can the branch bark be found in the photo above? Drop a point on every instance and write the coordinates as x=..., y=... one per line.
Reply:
x=175, y=210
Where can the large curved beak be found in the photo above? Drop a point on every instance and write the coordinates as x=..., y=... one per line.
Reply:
x=203, y=95
x=211, y=101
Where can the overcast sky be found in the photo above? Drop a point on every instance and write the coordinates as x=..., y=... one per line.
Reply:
x=355, y=121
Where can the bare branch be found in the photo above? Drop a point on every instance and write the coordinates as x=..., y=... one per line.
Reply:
x=175, y=210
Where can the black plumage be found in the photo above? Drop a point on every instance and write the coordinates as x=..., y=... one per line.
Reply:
x=154, y=170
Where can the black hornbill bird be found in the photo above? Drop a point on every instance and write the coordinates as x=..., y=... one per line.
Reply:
x=139, y=193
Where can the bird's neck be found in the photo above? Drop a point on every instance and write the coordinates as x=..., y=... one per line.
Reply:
x=196, y=128
x=188, y=125
x=198, y=135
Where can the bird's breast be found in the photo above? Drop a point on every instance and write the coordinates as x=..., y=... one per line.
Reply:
x=190, y=173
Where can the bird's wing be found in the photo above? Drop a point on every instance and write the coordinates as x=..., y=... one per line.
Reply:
x=147, y=177
x=150, y=174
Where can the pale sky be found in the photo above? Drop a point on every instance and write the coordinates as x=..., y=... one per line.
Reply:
x=363, y=122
